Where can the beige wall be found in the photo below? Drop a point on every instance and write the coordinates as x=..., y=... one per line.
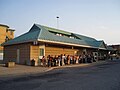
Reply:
x=28, y=51
x=34, y=53
x=2, y=35
x=10, y=53
x=59, y=50
x=51, y=50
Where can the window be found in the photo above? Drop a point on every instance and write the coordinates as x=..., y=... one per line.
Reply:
x=6, y=30
x=6, y=39
x=11, y=32
x=41, y=52
x=72, y=37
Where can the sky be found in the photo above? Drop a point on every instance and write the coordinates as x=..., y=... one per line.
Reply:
x=99, y=19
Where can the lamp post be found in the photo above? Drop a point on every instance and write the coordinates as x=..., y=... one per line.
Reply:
x=57, y=22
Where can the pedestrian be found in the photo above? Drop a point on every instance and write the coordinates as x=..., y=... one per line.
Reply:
x=49, y=62
x=44, y=61
x=84, y=58
x=54, y=60
x=59, y=61
x=77, y=59
x=70, y=59
x=89, y=58
x=80, y=59
x=65, y=59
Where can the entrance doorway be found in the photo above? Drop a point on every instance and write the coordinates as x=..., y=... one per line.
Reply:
x=18, y=56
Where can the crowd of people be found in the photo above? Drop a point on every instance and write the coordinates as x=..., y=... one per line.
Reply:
x=61, y=60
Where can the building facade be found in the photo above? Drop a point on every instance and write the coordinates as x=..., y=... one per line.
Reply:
x=43, y=41
x=116, y=50
x=5, y=34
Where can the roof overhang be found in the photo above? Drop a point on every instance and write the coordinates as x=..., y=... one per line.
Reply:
x=22, y=42
x=4, y=25
x=56, y=42
x=10, y=30
x=70, y=44
x=102, y=48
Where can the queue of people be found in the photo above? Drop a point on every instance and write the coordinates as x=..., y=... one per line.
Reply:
x=61, y=60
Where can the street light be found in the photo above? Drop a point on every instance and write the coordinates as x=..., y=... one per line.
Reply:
x=57, y=22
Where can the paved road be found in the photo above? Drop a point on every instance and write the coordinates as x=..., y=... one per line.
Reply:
x=105, y=76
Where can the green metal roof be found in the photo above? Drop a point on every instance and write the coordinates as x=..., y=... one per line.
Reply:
x=84, y=37
x=110, y=48
x=27, y=37
x=39, y=32
x=99, y=44
x=54, y=30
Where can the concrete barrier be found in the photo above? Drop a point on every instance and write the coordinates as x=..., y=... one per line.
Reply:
x=10, y=64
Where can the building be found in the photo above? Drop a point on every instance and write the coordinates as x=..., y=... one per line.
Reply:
x=116, y=50
x=5, y=34
x=43, y=41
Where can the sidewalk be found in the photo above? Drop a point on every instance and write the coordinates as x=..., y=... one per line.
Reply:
x=19, y=70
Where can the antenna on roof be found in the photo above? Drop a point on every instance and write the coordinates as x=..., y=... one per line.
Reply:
x=57, y=22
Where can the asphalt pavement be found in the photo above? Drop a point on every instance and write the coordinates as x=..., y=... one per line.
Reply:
x=103, y=76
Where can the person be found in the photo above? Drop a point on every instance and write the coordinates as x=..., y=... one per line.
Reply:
x=59, y=61
x=105, y=57
x=49, y=61
x=43, y=61
x=111, y=57
x=71, y=59
x=77, y=59
x=80, y=59
x=64, y=60
x=89, y=58
x=95, y=57
x=84, y=58
x=68, y=59
x=54, y=60
x=92, y=57
x=62, y=57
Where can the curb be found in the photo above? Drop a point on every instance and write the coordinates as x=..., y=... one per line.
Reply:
x=76, y=65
